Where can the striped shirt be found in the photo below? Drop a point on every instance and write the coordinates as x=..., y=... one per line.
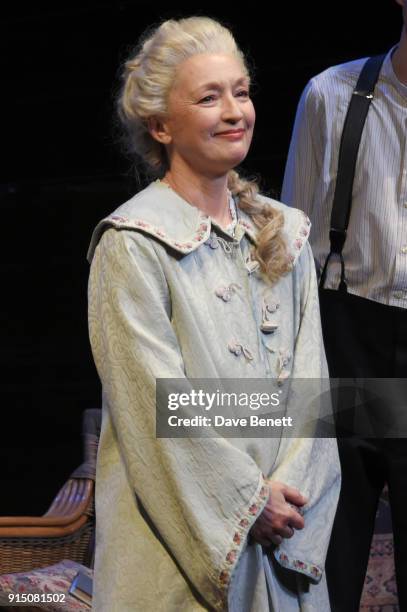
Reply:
x=375, y=250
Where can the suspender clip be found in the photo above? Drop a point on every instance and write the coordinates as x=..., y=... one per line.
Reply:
x=337, y=238
x=363, y=94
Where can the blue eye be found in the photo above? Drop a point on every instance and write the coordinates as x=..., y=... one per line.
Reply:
x=207, y=99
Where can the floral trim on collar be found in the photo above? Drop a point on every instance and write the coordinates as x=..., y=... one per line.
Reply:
x=299, y=238
x=120, y=222
x=296, y=228
x=233, y=213
x=200, y=235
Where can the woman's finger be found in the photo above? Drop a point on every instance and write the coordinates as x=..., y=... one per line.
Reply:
x=286, y=532
x=293, y=496
x=276, y=539
x=295, y=520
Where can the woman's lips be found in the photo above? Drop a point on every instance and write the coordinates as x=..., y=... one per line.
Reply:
x=231, y=134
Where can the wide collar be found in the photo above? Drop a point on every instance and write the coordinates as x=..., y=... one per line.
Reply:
x=160, y=212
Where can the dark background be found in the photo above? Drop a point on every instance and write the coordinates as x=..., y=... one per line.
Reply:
x=62, y=171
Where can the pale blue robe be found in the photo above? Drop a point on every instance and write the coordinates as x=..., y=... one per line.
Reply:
x=173, y=515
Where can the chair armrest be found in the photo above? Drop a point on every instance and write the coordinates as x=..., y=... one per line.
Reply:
x=71, y=508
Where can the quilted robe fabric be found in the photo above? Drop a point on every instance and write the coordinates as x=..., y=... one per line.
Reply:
x=173, y=515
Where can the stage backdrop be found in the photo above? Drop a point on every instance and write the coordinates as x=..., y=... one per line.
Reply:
x=62, y=172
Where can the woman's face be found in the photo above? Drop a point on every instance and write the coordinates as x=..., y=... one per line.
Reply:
x=210, y=118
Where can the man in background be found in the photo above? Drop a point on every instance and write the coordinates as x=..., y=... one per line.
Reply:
x=365, y=329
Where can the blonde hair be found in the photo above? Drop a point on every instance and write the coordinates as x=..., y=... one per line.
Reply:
x=147, y=80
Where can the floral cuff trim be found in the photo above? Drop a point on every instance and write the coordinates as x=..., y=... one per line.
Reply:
x=243, y=525
x=312, y=571
x=299, y=238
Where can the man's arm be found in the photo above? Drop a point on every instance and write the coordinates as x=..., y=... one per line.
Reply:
x=304, y=162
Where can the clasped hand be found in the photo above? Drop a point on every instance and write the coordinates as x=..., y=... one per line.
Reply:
x=280, y=515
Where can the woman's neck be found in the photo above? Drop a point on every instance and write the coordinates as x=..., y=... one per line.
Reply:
x=206, y=193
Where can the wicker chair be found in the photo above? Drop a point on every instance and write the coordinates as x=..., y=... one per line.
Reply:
x=66, y=531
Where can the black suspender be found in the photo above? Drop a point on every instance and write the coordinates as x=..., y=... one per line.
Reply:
x=348, y=152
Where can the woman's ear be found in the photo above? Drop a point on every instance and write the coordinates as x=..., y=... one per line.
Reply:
x=159, y=130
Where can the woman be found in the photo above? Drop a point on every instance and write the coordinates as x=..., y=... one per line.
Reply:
x=187, y=280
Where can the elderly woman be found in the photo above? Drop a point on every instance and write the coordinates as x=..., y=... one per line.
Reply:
x=187, y=279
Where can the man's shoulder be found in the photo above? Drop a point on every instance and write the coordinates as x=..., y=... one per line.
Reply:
x=345, y=74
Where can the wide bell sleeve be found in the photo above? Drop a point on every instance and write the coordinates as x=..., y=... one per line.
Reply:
x=201, y=495
x=310, y=464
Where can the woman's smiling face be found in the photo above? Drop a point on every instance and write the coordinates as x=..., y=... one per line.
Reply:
x=210, y=120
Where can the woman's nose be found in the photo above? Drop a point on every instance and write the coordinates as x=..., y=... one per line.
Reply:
x=231, y=110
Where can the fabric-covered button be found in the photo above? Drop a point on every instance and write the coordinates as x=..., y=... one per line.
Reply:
x=283, y=362
x=285, y=358
x=234, y=348
x=225, y=293
x=237, y=349
x=268, y=327
x=269, y=308
x=272, y=306
x=251, y=264
x=213, y=242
